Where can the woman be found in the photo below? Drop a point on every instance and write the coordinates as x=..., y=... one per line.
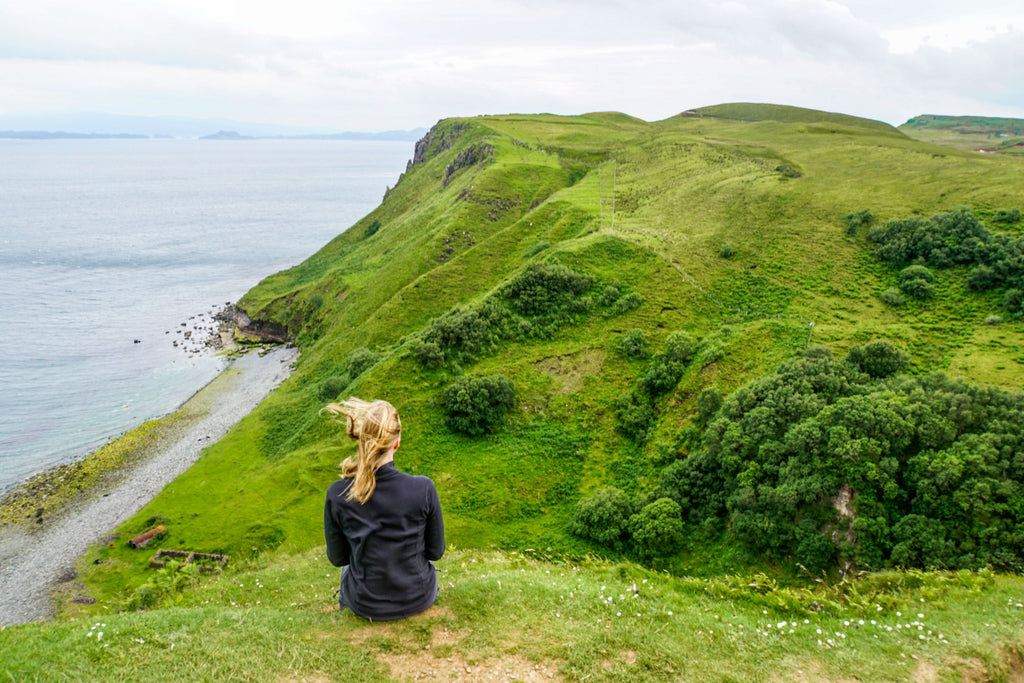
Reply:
x=383, y=526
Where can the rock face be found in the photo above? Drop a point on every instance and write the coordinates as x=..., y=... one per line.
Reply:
x=436, y=141
x=261, y=329
x=468, y=157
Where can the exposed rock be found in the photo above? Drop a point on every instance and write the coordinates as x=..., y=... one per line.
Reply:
x=263, y=330
x=470, y=156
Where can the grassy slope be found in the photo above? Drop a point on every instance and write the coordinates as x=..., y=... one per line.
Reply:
x=683, y=187
x=508, y=616
x=969, y=133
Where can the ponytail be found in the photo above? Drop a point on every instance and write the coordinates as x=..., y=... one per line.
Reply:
x=375, y=427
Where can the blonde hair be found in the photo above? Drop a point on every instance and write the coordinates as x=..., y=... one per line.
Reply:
x=376, y=427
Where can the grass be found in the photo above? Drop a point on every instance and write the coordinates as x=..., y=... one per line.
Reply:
x=533, y=616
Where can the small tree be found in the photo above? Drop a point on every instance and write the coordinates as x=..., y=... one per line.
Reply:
x=658, y=529
x=633, y=344
x=603, y=517
x=475, y=405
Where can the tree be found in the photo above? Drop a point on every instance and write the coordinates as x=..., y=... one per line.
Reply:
x=475, y=405
x=603, y=517
x=658, y=529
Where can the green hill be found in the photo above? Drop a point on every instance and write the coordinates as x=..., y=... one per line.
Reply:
x=615, y=271
x=973, y=133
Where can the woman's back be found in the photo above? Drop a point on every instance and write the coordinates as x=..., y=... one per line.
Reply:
x=387, y=543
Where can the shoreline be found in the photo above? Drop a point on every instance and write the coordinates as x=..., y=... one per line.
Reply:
x=33, y=561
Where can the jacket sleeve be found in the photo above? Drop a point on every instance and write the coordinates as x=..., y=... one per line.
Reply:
x=339, y=552
x=435, y=525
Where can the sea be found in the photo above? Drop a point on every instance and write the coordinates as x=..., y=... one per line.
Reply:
x=112, y=249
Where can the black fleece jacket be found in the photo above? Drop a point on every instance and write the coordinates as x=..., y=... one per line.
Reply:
x=386, y=544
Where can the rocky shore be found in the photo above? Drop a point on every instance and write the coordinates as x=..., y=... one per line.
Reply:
x=35, y=558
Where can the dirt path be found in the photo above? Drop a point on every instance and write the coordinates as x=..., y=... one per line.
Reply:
x=31, y=563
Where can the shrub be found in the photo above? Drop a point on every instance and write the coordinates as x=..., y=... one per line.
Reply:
x=360, y=360
x=332, y=387
x=880, y=358
x=1013, y=301
x=726, y=251
x=856, y=219
x=635, y=416
x=708, y=403
x=916, y=273
x=981, y=278
x=993, y=320
x=603, y=517
x=633, y=344
x=610, y=295
x=788, y=172
x=918, y=288
x=372, y=228
x=544, y=289
x=1004, y=216
x=627, y=303
x=428, y=354
x=475, y=405
x=892, y=297
x=657, y=529
x=921, y=542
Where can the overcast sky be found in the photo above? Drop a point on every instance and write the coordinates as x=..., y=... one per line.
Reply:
x=386, y=64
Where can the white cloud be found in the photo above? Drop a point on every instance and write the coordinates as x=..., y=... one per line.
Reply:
x=391, y=64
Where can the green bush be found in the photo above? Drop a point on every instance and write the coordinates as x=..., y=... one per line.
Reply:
x=372, y=228
x=627, y=303
x=918, y=288
x=708, y=403
x=476, y=405
x=726, y=251
x=544, y=289
x=633, y=344
x=892, y=297
x=1013, y=301
x=916, y=273
x=880, y=358
x=356, y=363
x=603, y=517
x=332, y=387
x=657, y=530
x=1004, y=216
x=856, y=219
x=635, y=416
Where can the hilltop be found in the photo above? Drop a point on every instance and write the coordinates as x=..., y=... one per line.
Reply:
x=643, y=287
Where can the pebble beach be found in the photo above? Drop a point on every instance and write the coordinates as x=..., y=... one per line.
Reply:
x=32, y=562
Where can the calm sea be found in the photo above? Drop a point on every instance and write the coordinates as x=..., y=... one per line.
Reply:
x=105, y=242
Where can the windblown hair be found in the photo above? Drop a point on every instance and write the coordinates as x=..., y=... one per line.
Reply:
x=376, y=427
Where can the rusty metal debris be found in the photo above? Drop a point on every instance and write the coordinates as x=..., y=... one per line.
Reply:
x=142, y=540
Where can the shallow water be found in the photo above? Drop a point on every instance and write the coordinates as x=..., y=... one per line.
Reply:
x=105, y=242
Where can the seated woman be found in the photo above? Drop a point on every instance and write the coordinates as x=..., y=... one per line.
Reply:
x=383, y=526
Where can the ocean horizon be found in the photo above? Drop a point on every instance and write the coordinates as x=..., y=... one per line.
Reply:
x=112, y=250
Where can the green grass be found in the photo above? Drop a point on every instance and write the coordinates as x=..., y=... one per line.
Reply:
x=530, y=616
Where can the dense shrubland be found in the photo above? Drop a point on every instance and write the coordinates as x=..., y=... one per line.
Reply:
x=534, y=304
x=951, y=239
x=846, y=462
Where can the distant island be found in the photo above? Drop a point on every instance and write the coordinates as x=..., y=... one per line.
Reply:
x=116, y=126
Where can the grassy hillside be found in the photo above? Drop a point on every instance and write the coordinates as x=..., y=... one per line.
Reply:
x=724, y=225
x=972, y=133
x=514, y=616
